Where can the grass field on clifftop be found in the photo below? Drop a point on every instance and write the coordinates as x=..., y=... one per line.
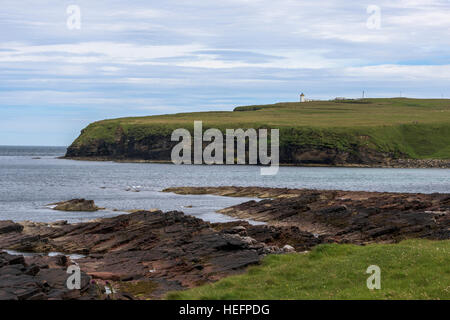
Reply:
x=411, y=128
x=413, y=269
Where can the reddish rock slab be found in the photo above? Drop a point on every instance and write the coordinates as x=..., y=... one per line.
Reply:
x=342, y=216
x=39, y=278
x=171, y=249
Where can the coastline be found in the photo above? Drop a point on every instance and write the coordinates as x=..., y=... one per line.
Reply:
x=397, y=163
x=160, y=252
x=352, y=216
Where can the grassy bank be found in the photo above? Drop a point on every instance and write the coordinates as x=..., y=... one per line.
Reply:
x=413, y=269
x=412, y=128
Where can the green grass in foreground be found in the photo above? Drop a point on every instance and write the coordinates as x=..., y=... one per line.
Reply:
x=413, y=269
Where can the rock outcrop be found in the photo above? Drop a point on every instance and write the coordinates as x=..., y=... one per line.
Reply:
x=40, y=278
x=76, y=205
x=342, y=216
x=147, y=253
x=232, y=191
x=9, y=226
x=166, y=251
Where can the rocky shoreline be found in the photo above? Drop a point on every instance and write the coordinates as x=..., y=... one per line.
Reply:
x=341, y=216
x=386, y=163
x=153, y=250
x=145, y=254
x=38, y=278
x=420, y=163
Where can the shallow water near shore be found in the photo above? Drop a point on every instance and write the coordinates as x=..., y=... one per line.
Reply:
x=50, y=254
x=32, y=177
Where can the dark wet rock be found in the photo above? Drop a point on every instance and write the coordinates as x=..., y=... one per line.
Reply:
x=22, y=279
x=153, y=252
x=59, y=223
x=343, y=216
x=171, y=249
x=12, y=260
x=76, y=205
x=271, y=236
x=9, y=226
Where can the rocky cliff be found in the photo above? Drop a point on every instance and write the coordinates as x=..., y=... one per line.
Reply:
x=380, y=132
x=158, y=148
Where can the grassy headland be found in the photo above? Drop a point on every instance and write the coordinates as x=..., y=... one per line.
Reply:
x=400, y=127
x=412, y=269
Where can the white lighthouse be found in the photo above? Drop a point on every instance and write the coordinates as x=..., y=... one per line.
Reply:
x=302, y=98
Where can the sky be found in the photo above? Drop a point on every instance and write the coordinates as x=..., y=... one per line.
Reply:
x=63, y=67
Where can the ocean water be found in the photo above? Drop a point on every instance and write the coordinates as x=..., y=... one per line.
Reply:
x=33, y=177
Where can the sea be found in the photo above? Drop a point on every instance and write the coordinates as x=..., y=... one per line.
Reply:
x=32, y=178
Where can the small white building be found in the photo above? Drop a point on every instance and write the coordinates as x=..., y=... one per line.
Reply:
x=302, y=98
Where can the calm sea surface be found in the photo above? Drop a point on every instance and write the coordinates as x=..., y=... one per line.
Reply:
x=32, y=177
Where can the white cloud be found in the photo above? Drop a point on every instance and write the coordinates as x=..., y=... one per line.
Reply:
x=146, y=55
x=401, y=73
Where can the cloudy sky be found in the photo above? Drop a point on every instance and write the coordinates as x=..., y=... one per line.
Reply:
x=132, y=58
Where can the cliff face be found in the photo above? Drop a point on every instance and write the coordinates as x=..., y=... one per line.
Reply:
x=153, y=147
x=373, y=132
x=158, y=148
x=332, y=156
